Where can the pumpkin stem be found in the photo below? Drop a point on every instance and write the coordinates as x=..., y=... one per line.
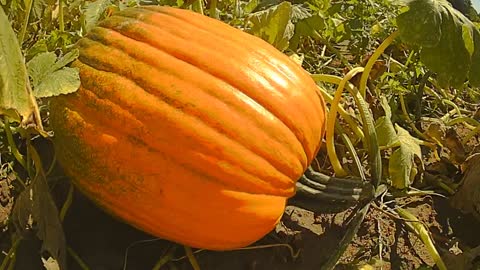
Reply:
x=314, y=186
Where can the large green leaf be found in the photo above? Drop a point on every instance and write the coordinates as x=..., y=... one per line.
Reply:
x=274, y=25
x=386, y=134
x=450, y=43
x=307, y=27
x=16, y=99
x=94, y=11
x=50, y=77
x=402, y=165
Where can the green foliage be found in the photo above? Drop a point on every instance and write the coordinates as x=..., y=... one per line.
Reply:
x=387, y=135
x=94, y=11
x=450, y=42
x=274, y=25
x=403, y=161
x=15, y=96
x=51, y=77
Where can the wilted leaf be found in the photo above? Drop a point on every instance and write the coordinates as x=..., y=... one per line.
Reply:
x=50, y=264
x=467, y=198
x=450, y=42
x=50, y=77
x=274, y=25
x=386, y=134
x=93, y=12
x=35, y=210
x=16, y=99
x=454, y=144
x=402, y=164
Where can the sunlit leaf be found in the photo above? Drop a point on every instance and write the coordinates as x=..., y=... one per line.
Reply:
x=62, y=81
x=93, y=12
x=50, y=77
x=450, y=42
x=274, y=25
x=299, y=13
x=16, y=99
x=386, y=134
x=403, y=161
x=250, y=6
x=40, y=66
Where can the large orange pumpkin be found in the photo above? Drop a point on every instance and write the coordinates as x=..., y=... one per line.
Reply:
x=187, y=128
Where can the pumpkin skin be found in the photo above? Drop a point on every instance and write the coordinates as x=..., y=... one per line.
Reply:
x=187, y=128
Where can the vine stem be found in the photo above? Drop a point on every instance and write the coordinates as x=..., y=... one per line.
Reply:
x=165, y=258
x=10, y=255
x=376, y=54
x=331, y=119
x=464, y=119
x=328, y=98
x=409, y=120
x=67, y=203
x=191, y=258
x=351, y=231
x=290, y=249
x=213, y=9
x=13, y=147
x=77, y=259
x=61, y=21
x=198, y=6
x=21, y=36
x=416, y=226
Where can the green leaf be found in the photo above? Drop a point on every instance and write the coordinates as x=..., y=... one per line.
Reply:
x=94, y=11
x=250, y=6
x=40, y=66
x=307, y=27
x=50, y=77
x=39, y=7
x=403, y=161
x=16, y=99
x=386, y=134
x=66, y=59
x=63, y=81
x=300, y=13
x=450, y=43
x=274, y=25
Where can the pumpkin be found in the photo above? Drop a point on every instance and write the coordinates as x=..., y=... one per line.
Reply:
x=187, y=128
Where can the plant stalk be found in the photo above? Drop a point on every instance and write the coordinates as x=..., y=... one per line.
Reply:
x=376, y=54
